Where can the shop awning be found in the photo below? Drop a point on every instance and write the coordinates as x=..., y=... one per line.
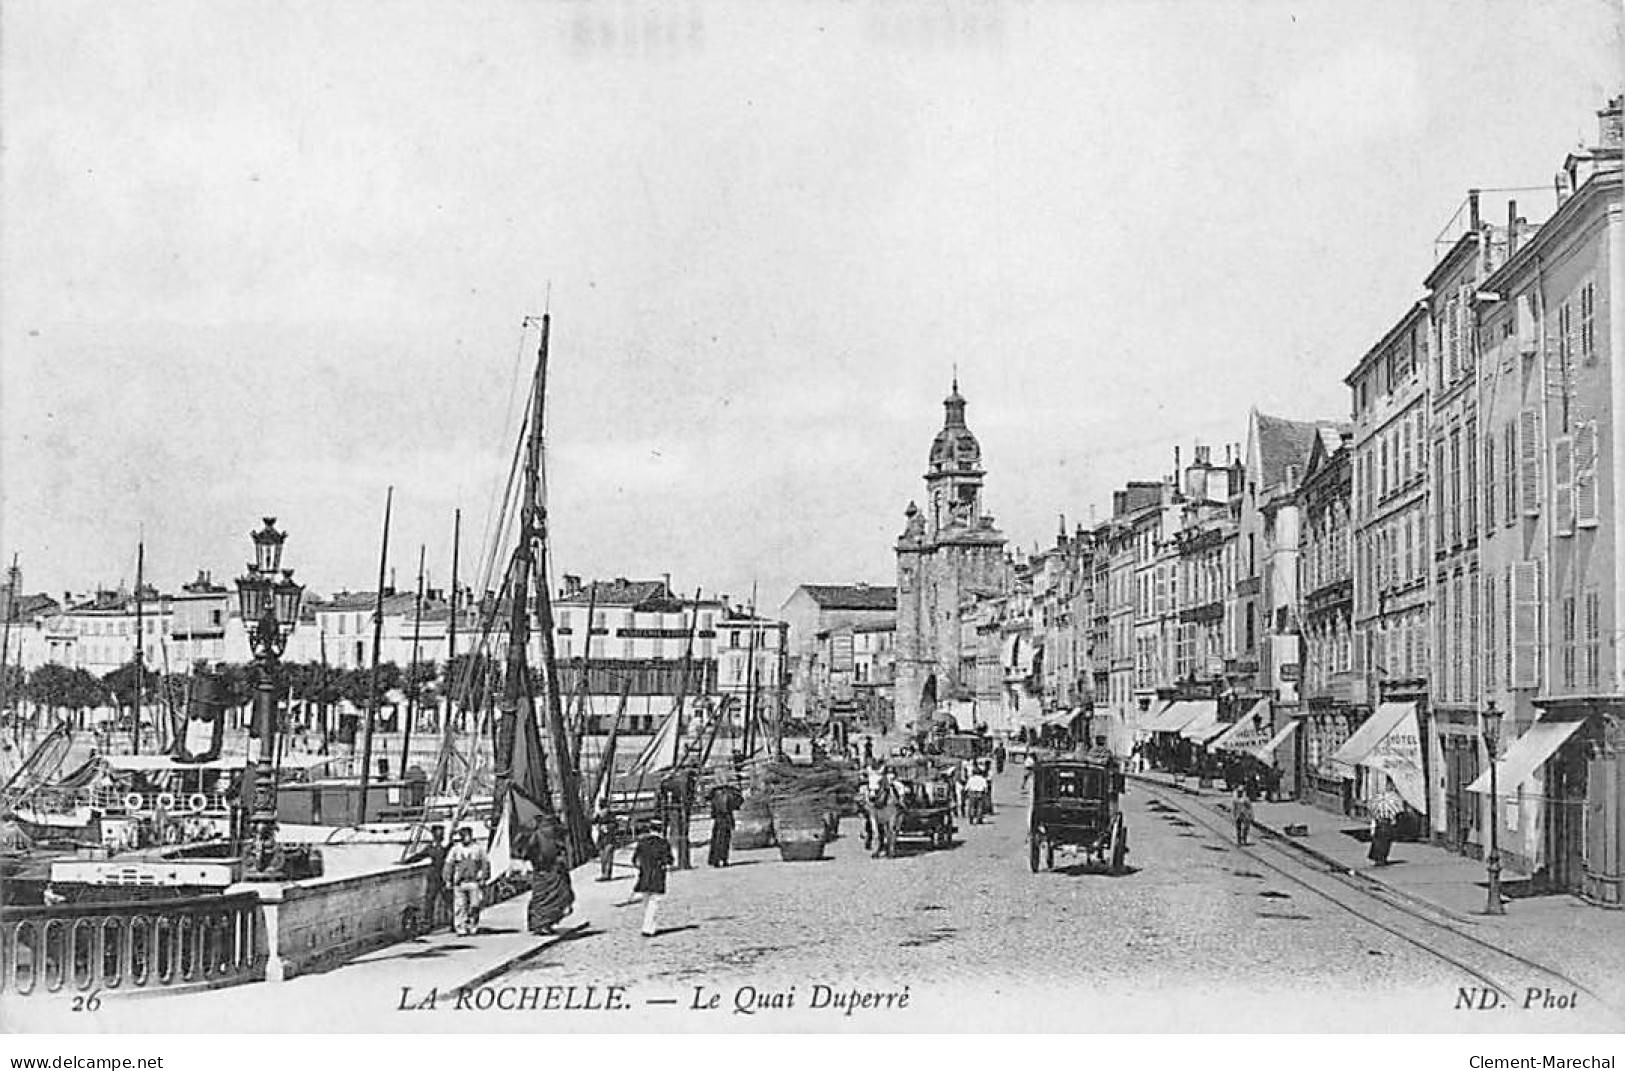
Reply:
x=1267, y=752
x=1060, y=717
x=1182, y=714
x=1204, y=733
x=1247, y=732
x=1204, y=726
x=1527, y=754
x=1364, y=739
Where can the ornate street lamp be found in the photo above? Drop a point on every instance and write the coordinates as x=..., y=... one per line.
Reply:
x=269, y=605
x=1490, y=726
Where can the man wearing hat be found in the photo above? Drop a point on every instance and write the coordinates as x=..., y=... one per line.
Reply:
x=466, y=871
x=435, y=853
x=653, y=858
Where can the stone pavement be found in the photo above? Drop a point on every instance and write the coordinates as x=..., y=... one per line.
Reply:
x=449, y=961
x=1582, y=940
x=326, y=1001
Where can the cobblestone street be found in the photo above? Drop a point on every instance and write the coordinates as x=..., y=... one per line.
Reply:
x=1197, y=935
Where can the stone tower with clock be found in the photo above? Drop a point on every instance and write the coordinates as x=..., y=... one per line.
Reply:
x=948, y=553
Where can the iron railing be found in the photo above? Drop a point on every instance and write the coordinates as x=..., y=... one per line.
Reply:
x=130, y=945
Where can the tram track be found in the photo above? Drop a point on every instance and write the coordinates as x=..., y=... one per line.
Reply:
x=1512, y=977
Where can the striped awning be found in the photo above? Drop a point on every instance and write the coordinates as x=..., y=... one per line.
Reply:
x=1267, y=752
x=1182, y=713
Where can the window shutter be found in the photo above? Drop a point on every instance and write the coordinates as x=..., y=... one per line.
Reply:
x=1526, y=325
x=1563, y=485
x=1489, y=483
x=1509, y=469
x=1529, y=462
x=1525, y=624
x=1585, y=474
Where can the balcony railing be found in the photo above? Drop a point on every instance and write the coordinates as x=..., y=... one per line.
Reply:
x=138, y=945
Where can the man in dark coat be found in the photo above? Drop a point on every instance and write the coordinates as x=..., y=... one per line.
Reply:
x=653, y=858
x=435, y=853
x=605, y=826
x=725, y=800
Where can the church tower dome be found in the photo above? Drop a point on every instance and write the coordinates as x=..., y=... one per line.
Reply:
x=955, y=449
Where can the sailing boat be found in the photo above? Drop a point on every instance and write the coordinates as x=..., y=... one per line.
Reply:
x=528, y=793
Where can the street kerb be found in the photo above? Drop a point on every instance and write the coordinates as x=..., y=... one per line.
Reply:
x=1324, y=858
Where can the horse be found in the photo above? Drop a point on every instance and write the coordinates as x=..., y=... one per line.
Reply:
x=882, y=818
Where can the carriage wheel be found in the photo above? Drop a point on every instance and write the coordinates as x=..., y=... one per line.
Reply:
x=1119, y=845
x=1032, y=852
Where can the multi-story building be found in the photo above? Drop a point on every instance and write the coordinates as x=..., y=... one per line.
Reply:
x=1550, y=320
x=1450, y=721
x=1205, y=543
x=1265, y=660
x=1330, y=688
x=642, y=639
x=851, y=673
x=814, y=610
x=947, y=554
x=1390, y=400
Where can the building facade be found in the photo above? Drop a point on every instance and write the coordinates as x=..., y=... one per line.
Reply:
x=948, y=554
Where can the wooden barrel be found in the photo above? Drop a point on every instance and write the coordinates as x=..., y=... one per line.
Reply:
x=800, y=828
x=753, y=825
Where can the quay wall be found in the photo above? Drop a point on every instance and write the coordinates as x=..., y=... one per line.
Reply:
x=315, y=925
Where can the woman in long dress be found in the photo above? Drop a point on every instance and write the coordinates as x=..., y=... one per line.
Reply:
x=551, y=895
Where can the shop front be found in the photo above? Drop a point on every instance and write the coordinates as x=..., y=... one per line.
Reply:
x=1580, y=794
x=1460, y=762
x=1384, y=756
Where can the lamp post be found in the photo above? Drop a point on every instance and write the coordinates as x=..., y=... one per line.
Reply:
x=268, y=600
x=1491, y=728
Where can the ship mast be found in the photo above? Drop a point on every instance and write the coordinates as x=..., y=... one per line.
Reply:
x=517, y=728
x=575, y=819
x=140, y=651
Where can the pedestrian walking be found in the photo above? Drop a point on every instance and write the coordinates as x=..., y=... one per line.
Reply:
x=653, y=858
x=1382, y=839
x=605, y=825
x=976, y=797
x=725, y=800
x=998, y=757
x=551, y=894
x=434, y=853
x=868, y=750
x=467, y=870
x=1243, y=808
x=1027, y=766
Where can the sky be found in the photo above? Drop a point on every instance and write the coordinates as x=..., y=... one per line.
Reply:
x=270, y=259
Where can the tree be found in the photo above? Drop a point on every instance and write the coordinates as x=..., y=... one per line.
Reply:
x=421, y=678
x=121, y=682
x=51, y=686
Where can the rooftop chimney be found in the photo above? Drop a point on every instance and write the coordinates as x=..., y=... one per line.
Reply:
x=1512, y=228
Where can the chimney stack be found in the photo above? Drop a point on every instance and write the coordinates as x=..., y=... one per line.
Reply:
x=1512, y=228
x=1472, y=211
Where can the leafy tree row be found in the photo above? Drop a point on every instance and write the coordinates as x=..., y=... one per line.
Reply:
x=58, y=688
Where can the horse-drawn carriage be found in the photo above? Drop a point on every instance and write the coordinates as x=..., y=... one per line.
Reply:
x=914, y=802
x=1074, y=807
